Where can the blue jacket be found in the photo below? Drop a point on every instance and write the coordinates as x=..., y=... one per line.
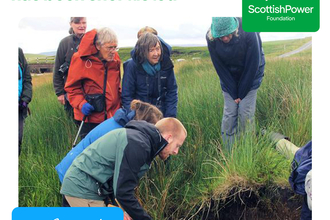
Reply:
x=301, y=165
x=160, y=90
x=119, y=120
x=240, y=63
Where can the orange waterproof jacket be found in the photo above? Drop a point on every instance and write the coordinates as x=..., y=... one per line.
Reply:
x=88, y=71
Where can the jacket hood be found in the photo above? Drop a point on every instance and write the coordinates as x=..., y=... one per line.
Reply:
x=158, y=143
x=87, y=46
x=122, y=116
x=166, y=62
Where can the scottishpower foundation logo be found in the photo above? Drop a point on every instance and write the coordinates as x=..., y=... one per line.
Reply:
x=281, y=15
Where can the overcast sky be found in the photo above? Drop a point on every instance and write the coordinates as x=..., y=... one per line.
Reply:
x=43, y=34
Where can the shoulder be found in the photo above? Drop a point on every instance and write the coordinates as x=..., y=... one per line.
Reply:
x=65, y=41
x=130, y=64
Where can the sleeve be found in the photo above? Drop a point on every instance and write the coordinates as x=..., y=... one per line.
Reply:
x=252, y=60
x=171, y=99
x=58, y=78
x=27, y=79
x=225, y=77
x=73, y=85
x=134, y=157
x=128, y=85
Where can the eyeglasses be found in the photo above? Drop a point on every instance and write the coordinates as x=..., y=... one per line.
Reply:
x=111, y=48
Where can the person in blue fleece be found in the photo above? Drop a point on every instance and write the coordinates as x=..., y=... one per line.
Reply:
x=149, y=75
x=239, y=61
x=139, y=111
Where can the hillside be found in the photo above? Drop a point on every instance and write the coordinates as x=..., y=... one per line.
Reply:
x=271, y=49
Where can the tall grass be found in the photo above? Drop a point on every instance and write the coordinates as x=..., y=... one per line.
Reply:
x=203, y=171
x=48, y=135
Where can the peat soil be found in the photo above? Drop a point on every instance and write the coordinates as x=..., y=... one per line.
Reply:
x=281, y=204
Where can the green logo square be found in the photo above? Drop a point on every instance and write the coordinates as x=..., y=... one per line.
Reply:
x=281, y=15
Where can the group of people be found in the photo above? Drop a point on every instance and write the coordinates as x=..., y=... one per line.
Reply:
x=89, y=78
x=128, y=122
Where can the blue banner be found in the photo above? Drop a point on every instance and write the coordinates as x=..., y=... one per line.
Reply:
x=43, y=213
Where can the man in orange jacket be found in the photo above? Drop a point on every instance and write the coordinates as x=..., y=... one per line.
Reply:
x=93, y=83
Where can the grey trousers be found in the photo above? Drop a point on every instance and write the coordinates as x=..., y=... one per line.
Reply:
x=237, y=118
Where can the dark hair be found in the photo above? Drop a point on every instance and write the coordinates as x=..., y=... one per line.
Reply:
x=74, y=20
x=145, y=111
x=144, y=43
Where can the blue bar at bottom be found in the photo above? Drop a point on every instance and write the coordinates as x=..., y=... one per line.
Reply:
x=52, y=213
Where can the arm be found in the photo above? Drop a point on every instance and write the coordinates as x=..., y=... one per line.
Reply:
x=58, y=78
x=27, y=79
x=134, y=157
x=171, y=99
x=252, y=60
x=73, y=85
x=128, y=85
x=225, y=76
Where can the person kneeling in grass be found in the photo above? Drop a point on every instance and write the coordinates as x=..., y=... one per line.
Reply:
x=112, y=166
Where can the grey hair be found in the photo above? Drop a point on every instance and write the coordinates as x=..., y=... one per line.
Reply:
x=105, y=35
x=144, y=43
x=211, y=38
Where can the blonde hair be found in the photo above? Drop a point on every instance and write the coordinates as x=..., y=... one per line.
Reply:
x=145, y=30
x=145, y=111
x=172, y=126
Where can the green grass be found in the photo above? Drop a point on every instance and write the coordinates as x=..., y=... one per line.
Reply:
x=276, y=48
x=203, y=170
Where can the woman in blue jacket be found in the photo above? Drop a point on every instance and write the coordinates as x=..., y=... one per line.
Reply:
x=239, y=61
x=139, y=111
x=149, y=75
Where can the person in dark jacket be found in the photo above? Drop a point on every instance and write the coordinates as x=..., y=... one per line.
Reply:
x=113, y=165
x=239, y=61
x=301, y=170
x=149, y=75
x=67, y=47
x=24, y=94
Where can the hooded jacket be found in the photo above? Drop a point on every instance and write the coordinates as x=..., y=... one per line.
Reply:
x=240, y=63
x=86, y=76
x=160, y=90
x=115, y=163
x=119, y=120
x=67, y=47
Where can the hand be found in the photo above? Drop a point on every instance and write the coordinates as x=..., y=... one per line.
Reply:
x=237, y=100
x=22, y=105
x=87, y=109
x=61, y=99
x=127, y=217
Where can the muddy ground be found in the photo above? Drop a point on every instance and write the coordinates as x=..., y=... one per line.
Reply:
x=281, y=204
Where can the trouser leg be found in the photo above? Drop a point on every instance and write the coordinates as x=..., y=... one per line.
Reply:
x=306, y=214
x=20, y=131
x=229, y=120
x=68, y=108
x=246, y=111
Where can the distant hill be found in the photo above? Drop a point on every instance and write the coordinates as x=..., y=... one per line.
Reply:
x=52, y=53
